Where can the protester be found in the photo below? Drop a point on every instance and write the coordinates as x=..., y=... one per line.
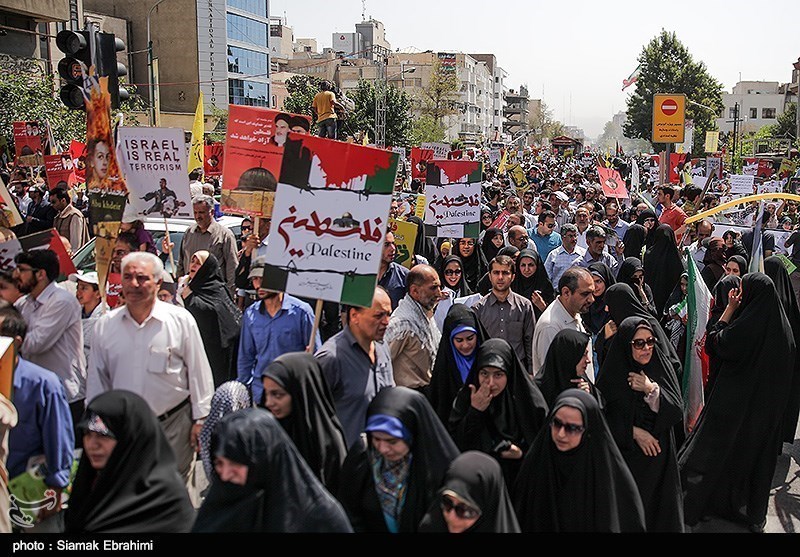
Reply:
x=92, y=306
x=714, y=262
x=596, y=251
x=491, y=242
x=736, y=265
x=295, y=392
x=229, y=397
x=634, y=241
x=451, y=276
x=412, y=334
x=424, y=248
x=154, y=349
x=40, y=214
x=545, y=238
x=573, y=478
x=697, y=249
x=127, y=480
x=8, y=420
x=473, y=498
x=531, y=281
x=9, y=292
x=565, y=366
x=720, y=297
x=500, y=409
x=394, y=470
x=392, y=276
x=671, y=215
x=728, y=460
x=357, y=363
x=134, y=225
x=643, y=403
x=663, y=265
x=565, y=256
x=262, y=484
x=219, y=321
x=631, y=272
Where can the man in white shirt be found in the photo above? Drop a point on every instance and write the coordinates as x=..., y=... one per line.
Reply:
x=575, y=295
x=155, y=350
x=705, y=228
x=195, y=185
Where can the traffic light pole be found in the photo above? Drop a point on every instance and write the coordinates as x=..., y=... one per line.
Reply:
x=150, y=76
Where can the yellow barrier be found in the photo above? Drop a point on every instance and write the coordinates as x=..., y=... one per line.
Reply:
x=740, y=201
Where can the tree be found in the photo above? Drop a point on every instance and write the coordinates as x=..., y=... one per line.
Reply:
x=786, y=126
x=398, y=113
x=30, y=93
x=666, y=66
x=541, y=118
x=426, y=129
x=440, y=98
x=217, y=135
x=302, y=89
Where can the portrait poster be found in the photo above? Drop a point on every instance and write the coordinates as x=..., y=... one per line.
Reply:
x=155, y=167
x=9, y=212
x=212, y=165
x=30, y=139
x=329, y=221
x=253, y=155
x=60, y=171
x=419, y=162
x=750, y=166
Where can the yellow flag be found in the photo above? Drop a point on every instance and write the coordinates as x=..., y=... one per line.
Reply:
x=365, y=139
x=197, y=149
x=501, y=169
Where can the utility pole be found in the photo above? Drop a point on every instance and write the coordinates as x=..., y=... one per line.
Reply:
x=797, y=106
x=736, y=120
x=380, y=94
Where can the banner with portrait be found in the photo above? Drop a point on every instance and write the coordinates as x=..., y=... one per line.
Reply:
x=453, y=199
x=329, y=220
x=419, y=162
x=253, y=155
x=31, y=142
x=60, y=171
x=212, y=164
x=9, y=212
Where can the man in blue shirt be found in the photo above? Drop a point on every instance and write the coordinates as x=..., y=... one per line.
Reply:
x=545, y=237
x=45, y=422
x=392, y=276
x=276, y=324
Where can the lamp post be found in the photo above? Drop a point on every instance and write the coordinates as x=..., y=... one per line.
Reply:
x=150, y=76
x=797, y=106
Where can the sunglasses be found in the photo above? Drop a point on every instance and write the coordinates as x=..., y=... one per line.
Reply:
x=451, y=272
x=640, y=343
x=551, y=225
x=462, y=511
x=247, y=228
x=570, y=429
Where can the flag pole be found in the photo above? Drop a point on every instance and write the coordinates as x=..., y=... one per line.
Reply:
x=317, y=316
x=171, y=257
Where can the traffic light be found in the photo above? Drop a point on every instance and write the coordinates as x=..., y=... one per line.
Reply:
x=76, y=62
x=108, y=46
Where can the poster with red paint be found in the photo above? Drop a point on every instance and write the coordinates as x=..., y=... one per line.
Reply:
x=419, y=162
x=329, y=220
x=59, y=171
x=212, y=165
x=765, y=168
x=253, y=153
x=612, y=182
x=453, y=196
x=49, y=239
x=676, y=161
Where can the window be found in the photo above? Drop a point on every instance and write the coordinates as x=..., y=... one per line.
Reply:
x=731, y=113
x=768, y=112
x=247, y=30
x=242, y=60
x=753, y=112
x=258, y=7
x=249, y=93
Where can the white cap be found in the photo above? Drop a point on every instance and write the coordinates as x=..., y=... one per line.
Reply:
x=130, y=214
x=90, y=277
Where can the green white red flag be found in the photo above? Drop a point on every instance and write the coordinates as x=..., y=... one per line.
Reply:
x=695, y=364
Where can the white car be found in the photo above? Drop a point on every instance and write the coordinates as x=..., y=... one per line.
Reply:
x=84, y=259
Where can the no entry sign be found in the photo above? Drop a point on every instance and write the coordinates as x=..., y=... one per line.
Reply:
x=669, y=107
x=669, y=112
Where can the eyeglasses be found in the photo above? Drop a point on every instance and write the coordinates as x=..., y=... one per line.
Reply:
x=551, y=225
x=466, y=243
x=22, y=269
x=570, y=429
x=462, y=510
x=639, y=343
x=247, y=228
x=451, y=272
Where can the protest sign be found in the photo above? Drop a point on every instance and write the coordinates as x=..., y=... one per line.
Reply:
x=154, y=163
x=30, y=142
x=612, y=182
x=8, y=251
x=330, y=217
x=494, y=156
x=9, y=213
x=440, y=150
x=253, y=153
x=741, y=184
x=765, y=168
x=59, y=171
x=787, y=168
x=405, y=235
x=501, y=220
x=714, y=167
x=750, y=167
x=7, y=365
x=49, y=239
x=769, y=187
x=212, y=164
x=419, y=162
x=77, y=151
x=453, y=196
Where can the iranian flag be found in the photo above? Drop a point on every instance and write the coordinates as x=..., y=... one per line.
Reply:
x=695, y=365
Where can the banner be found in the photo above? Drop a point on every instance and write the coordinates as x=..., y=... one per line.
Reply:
x=8, y=251
x=750, y=167
x=30, y=143
x=77, y=151
x=405, y=236
x=329, y=220
x=765, y=168
x=453, y=196
x=712, y=142
x=741, y=184
x=419, y=162
x=676, y=161
x=7, y=365
x=695, y=365
x=714, y=167
x=196, y=147
x=635, y=180
x=494, y=156
x=612, y=182
x=9, y=215
x=59, y=171
x=787, y=168
x=253, y=153
x=517, y=175
x=49, y=239
x=212, y=166
x=501, y=220
x=440, y=150
x=154, y=164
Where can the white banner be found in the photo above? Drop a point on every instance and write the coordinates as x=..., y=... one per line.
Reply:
x=773, y=186
x=400, y=151
x=453, y=211
x=494, y=155
x=750, y=167
x=440, y=150
x=741, y=184
x=154, y=163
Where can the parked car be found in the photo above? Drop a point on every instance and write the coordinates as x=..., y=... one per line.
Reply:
x=84, y=259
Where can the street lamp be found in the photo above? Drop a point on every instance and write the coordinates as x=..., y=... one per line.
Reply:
x=150, y=76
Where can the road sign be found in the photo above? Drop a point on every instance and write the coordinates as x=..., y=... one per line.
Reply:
x=669, y=112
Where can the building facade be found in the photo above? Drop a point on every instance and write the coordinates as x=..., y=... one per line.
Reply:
x=760, y=104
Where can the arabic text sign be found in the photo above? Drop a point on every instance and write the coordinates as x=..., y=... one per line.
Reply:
x=742, y=184
x=330, y=217
x=154, y=163
x=440, y=150
x=453, y=211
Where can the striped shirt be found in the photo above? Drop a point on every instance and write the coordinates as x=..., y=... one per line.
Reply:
x=560, y=260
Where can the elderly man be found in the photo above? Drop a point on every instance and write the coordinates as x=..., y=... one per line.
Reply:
x=596, y=252
x=412, y=334
x=154, y=349
x=575, y=295
x=564, y=256
x=518, y=237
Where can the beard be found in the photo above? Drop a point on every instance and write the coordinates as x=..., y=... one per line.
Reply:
x=27, y=287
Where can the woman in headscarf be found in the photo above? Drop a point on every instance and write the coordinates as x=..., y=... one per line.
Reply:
x=127, y=480
x=714, y=262
x=736, y=265
x=662, y=265
x=634, y=240
x=728, y=460
x=643, y=405
x=473, y=498
x=491, y=243
x=472, y=259
x=720, y=296
x=573, y=478
x=451, y=275
x=394, y=471
x=776, y=270
x=565, y=366
x=423, y=245
x=229, y=397
x=487, y=218
x=648, y=220
x=597, y=316
x=195, y=262
x=500, y=409
x=531, y=277
x=733, y=244
x=631, y=272
x=674, y=324
x=296, y=393
x=209, y=300
x=262, y=484
x=462, y=335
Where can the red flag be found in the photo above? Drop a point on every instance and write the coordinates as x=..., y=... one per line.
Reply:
x=419, y=162
x=77, y=151
x=49, y=239
x=613, y=184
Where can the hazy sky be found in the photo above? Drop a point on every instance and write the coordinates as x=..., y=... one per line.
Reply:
x=574, y=54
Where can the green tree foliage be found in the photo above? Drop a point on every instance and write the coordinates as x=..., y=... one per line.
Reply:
x=398, y=114
x=541, y=118
x=29, y=93
x=440, y=98
x=302, y=89
x=426, y=129
x=668, y=67
x=786, y=126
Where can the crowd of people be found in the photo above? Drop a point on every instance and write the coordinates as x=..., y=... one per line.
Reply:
x=527, y=380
